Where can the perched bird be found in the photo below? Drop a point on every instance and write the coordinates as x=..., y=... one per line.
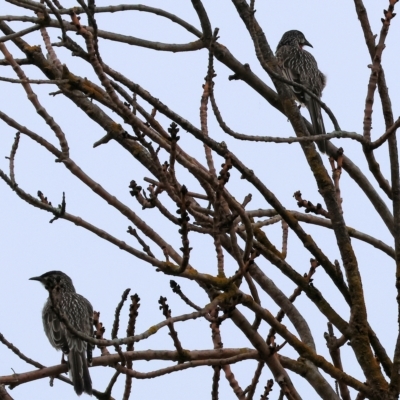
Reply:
x=298, y=65
x=79, y=312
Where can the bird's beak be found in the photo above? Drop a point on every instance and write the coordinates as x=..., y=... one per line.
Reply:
x=36, y=278
x=307, y=43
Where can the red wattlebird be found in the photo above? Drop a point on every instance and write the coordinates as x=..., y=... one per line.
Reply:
x=79, y=313
x=300, y=66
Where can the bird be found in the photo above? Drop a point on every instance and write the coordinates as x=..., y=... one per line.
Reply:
x=300, y=66
x=79, y=312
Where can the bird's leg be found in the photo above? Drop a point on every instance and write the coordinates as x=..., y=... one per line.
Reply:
x=63, y=361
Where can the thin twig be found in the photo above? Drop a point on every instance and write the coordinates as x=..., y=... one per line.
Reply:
x=35, y=101
x=172, y=332
x=20, y=33
x=250, y=390
x=183, y=220
x=12, y=157
x=34, y=81
x=114, y=332
x=130, y=331
x=145, y=247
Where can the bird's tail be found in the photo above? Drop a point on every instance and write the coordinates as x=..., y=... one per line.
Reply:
x=79, y=372
x=317, y=122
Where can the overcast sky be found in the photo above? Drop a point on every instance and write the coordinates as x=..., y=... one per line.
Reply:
x=31, y=246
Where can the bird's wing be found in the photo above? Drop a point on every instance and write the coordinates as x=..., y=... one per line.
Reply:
x=79, y=372
x=75, y=308
x=81, y=319
x=290, y=70
x=317, y=122
x=315, y=80
x=54, y=329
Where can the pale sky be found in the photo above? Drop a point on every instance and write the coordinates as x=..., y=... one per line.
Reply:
x=31, y=246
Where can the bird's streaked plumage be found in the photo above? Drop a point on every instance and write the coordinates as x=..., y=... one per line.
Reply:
x=79, y=313
x=300, y=66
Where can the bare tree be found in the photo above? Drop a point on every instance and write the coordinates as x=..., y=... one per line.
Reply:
x=198, y=199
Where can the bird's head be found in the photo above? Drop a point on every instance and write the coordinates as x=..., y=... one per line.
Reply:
x=52, y=278
x=293, y=38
